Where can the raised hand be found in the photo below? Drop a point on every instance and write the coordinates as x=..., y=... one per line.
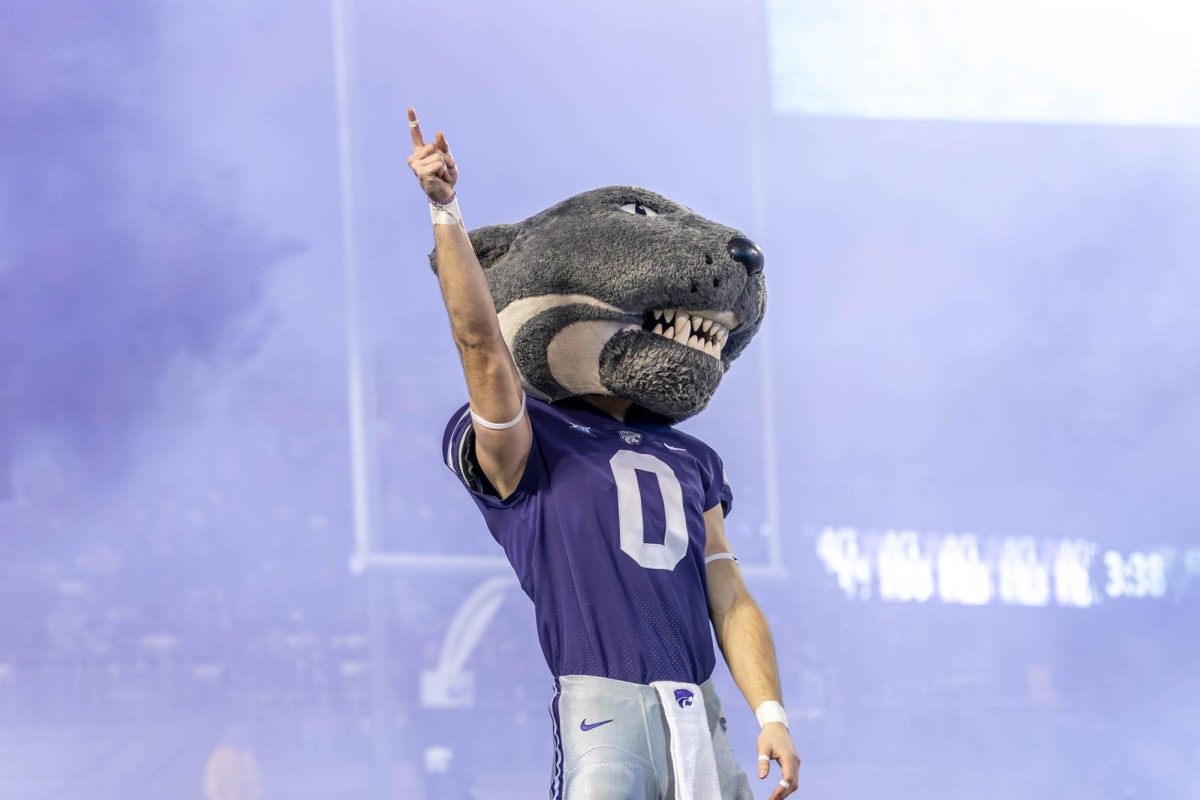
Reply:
x=432, y=163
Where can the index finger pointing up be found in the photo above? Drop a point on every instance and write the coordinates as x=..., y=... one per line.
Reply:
x=415, y=129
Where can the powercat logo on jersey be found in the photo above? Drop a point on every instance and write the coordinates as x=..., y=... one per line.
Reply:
x=631, y=437
x=683, y=697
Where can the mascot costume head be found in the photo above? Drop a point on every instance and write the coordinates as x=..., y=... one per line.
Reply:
x=620, y=291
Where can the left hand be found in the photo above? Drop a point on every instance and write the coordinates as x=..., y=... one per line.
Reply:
x=775, y=742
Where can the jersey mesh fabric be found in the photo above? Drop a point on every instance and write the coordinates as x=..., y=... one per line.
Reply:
x=616, y=594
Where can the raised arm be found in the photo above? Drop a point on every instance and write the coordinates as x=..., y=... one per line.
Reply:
x=493, y=383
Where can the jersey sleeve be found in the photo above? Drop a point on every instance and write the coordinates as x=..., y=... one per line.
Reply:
x=716, y=483
x=458, y=453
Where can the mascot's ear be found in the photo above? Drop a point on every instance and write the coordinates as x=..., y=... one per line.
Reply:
x=491, y=243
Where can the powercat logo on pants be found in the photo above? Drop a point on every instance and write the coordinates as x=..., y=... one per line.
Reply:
x=683, y=697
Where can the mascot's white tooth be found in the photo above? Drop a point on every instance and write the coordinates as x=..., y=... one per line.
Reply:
x=658, y=328
x=683, y=331
x=694, y=341
x=696, y=322
x=669, y=332
x=670, y=314
x=707, y=324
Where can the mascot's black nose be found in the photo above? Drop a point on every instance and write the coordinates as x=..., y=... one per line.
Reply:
x=746, y=253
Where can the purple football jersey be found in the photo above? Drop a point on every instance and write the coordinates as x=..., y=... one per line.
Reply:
x=606, y=534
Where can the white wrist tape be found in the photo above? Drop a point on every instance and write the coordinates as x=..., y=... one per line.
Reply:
x=448, y=214
x=499, y=426
x=770, y=711
x=719, y=556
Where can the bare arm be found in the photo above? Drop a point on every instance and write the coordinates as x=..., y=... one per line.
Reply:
x=493, y=383
x=745, y=640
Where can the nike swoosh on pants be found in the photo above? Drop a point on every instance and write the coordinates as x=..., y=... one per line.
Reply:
x=584, y=726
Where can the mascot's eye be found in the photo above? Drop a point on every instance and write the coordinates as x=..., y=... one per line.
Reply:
x=638, y=208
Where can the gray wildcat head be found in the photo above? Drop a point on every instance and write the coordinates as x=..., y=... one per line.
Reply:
x=589, y=290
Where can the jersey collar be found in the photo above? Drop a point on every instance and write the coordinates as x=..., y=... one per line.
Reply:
x=636, y=415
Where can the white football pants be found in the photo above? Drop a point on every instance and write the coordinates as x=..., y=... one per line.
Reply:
x=613, y=742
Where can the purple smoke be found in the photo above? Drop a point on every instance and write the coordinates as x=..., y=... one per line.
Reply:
x=115, y=256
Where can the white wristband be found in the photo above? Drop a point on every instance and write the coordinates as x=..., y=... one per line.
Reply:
x=499, y=426
x=770, y=711
x=447, y=214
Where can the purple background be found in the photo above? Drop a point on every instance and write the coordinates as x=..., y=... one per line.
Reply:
x=972, y=327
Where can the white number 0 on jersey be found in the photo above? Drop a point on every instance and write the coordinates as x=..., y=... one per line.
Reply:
x=629, y=503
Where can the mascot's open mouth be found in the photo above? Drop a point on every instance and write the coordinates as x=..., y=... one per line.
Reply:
x=706, y=331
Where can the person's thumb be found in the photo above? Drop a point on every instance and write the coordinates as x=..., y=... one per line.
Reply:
x=441, y=142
